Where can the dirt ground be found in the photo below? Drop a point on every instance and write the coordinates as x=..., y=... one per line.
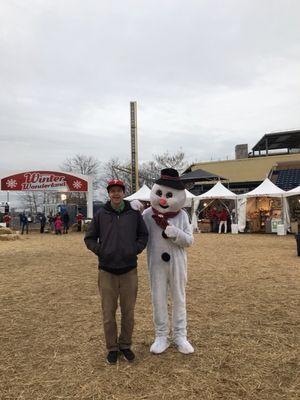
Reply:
x=243, y=299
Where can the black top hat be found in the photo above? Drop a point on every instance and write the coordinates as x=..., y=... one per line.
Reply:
x=170, y=177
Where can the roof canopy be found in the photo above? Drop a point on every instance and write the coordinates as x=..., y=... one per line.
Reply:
x=143, y=194
x=279, y=140
x=293, y=192
x=219, y=191
x=265, y=189
x=200, y=175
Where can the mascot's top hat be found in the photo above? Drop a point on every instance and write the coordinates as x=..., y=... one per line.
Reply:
x=169, y=177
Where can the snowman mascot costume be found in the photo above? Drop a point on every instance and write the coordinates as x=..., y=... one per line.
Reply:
x=169, y=233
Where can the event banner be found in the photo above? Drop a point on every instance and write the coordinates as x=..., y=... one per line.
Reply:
x=44, y=180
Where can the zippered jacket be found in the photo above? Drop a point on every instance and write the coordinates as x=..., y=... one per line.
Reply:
x=117, y=238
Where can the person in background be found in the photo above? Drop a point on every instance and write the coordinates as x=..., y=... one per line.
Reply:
x=66, y=221
x=117, y=234
x=42, y=222
x=79, y=218
x=213, y=216
x=223, y=216
x=6, y=220
x=24, y=223
x=58, y=225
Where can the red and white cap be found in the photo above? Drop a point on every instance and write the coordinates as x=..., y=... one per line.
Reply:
x=115, y=182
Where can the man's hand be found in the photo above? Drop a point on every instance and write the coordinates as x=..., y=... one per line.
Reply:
x=136, y=205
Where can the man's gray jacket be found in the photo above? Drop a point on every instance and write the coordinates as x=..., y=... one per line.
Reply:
x=117, y=238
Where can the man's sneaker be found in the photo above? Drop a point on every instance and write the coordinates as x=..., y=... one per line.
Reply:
x=128, y=354
x=112, y=357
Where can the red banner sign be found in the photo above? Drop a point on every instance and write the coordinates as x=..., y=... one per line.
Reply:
x=44, y=180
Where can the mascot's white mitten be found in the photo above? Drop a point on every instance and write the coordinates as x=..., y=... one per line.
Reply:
x=171, y=231
x=160, y=345
x=169, y=234
x=183, y=345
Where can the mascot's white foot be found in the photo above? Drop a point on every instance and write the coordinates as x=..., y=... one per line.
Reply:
x=183, y=345
x=160, y=345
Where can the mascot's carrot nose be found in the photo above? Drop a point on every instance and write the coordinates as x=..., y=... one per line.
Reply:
x=162, y=202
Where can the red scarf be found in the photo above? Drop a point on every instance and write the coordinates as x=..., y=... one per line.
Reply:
x=162, y=218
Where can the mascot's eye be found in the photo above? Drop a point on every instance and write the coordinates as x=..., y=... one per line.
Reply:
x=159, y=193
x=169, y=195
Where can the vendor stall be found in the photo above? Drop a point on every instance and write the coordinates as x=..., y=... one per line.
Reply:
x=213, y=201
x=265, y=208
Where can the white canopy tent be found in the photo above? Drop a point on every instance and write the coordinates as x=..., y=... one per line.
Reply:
x=293, y=192
x=219, y=191
x=143, y=194
x=265, y=189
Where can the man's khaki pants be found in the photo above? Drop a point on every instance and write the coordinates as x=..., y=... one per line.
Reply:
x=113, y=287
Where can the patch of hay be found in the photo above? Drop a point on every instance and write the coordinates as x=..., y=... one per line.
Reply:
x=5, y=231
x=11, y=236
x=243, y=320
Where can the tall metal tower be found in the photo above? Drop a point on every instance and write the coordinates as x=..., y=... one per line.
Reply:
x=134, y=147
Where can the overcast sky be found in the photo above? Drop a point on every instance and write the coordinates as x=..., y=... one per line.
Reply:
x=206, y=74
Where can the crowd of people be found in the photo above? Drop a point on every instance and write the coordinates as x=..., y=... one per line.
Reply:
x=58, y=223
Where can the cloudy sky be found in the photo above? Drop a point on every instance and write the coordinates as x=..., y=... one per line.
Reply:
x=206, y=74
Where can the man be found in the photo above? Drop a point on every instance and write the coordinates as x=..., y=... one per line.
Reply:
x=79, y=218
x=66, y=221
x=43, y=221
x=24, y=222
x=117, y=234
x=223, y=220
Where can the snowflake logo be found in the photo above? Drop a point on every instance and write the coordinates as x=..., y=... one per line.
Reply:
x=11, y=183
x=77, y=184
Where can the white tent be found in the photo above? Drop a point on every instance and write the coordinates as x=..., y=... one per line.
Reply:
x=265, y=189
x=293, y=192
x=189, y=198
x=143, y=194
x=219, y=191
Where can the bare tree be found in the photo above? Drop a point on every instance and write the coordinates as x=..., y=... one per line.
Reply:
x=167, y=160
x=115, y=169
x=84, y=165
x=32, y=200
x=148, y=171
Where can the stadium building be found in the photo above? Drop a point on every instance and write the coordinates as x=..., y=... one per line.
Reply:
x=275, y=155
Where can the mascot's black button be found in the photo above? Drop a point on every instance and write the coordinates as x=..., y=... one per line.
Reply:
x=163, y=234
x=165, y=257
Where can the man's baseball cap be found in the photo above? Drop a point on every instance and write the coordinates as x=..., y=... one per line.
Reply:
x=115, y=182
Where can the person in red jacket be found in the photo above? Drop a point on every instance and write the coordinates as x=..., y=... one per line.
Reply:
x=223, y=216
x=6, y=220
x=214, y=218
x=58, y=225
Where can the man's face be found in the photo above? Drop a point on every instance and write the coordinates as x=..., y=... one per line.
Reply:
x=116, y=195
